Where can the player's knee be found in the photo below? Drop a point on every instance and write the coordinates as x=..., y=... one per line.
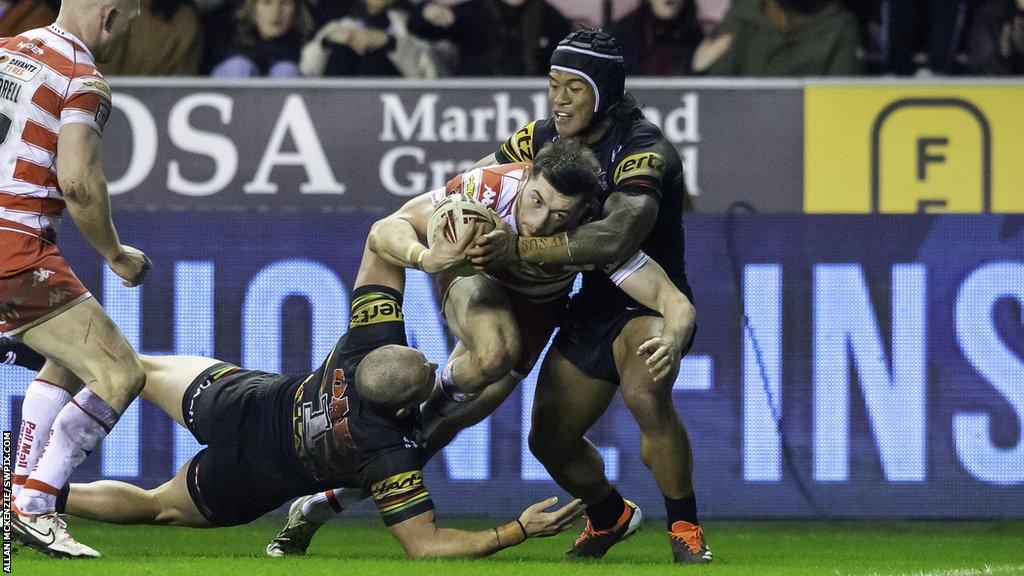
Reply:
x=494, y=363
x=490, y=361
x=127, y=382
x=547, y=446
x=163, y=513
x=653, y=411
x=119, y=383
x=541, y=450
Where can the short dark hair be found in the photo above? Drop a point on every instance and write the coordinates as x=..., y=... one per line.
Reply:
x=569, y=166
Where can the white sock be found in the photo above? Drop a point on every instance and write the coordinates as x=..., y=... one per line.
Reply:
x=324, y=506
x=79, y=427
x=444, y=398
x=446, y=381
x=43, y=401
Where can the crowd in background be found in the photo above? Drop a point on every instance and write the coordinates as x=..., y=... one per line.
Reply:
x=438, y=38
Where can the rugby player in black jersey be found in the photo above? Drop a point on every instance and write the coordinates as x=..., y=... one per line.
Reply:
x=270, y=438
x=594, y=352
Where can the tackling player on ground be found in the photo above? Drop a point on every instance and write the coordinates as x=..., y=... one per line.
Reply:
x=352, y=422
x=643, y=195
x=53, y=107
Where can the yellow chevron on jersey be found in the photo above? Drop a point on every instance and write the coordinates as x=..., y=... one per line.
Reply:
x=519, y=146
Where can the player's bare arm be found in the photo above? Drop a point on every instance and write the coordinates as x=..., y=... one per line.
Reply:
x=80, y=174
x=421, y=537
x=597, y=242
x=651, y=287
x=398, y=239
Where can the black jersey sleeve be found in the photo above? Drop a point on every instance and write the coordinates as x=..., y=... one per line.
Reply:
x=396, y=481
x=642, y=165
x=376, y=320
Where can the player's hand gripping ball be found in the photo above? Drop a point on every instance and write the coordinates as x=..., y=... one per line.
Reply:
x=456, y=217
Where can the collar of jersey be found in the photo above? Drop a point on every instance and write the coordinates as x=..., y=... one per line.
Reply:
x=60, y=31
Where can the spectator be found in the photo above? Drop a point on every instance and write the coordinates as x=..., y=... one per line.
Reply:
x=782, y=38
x=17, y=16
x=372, y=39
x=659, y=37
x=179, y=51
x=495, y=37
x=267, y=40
x=926, y=28
x=870, y=16
x=995, y=39
x=324, y=11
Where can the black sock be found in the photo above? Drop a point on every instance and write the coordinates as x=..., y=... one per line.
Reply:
x=604, y=514
x=681, y=509
x=62, y=498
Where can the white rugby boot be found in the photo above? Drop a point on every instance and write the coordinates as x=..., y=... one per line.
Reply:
x=48, y=534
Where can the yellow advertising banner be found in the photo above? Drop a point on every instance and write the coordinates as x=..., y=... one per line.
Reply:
x=905, y=149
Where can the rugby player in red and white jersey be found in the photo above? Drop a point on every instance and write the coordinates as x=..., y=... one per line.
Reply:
x=54, y=104
x=504, y=317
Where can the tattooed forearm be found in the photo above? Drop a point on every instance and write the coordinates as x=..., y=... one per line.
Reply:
x=544, y=249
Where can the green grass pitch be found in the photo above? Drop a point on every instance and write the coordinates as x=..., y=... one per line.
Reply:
x=364, y=548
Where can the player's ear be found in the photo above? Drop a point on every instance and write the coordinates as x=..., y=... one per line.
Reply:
x=109, y=14
x=526, y=176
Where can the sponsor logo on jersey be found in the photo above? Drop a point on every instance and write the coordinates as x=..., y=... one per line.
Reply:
x=469, y=188
x=649, y=164
x=18, y=68
x=58, y=295
x=41, y=275
x=9, y=90
x=489, y=195
x=97, y=86
x=376, y=312
x=397, y=484
x=31, y=47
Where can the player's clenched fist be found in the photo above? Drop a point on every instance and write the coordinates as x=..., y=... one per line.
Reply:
x=131, y=264
x=445, y=253
x=496, y=248
x=536, y=522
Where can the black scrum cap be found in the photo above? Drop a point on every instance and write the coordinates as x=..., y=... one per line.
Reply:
x=594, y=56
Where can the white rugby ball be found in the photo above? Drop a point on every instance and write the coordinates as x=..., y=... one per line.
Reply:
x=455, y=214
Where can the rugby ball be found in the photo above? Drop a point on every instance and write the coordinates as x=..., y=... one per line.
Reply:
x=453, y=216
